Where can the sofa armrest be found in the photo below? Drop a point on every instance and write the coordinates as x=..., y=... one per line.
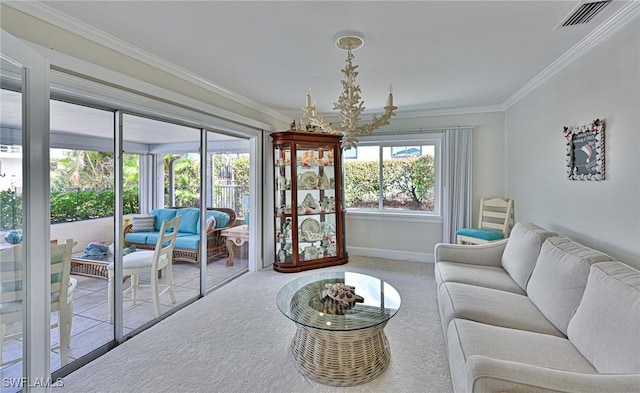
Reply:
x=488, y=254
x=486, y=374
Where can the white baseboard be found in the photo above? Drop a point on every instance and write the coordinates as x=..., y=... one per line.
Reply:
x=391, y=254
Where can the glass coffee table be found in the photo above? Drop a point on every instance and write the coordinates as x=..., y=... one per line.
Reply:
x=336, y=345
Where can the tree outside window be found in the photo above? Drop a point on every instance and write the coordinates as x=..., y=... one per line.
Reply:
x=82, y=185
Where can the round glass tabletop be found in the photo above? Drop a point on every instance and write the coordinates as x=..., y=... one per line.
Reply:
x=301, y=301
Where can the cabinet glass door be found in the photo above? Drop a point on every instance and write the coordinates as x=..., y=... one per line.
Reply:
x=316, y=198
x=283, y=219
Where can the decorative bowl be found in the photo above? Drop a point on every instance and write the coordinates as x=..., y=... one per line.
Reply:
x=13, y=237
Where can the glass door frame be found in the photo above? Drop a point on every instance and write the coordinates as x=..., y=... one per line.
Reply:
x=35, y=225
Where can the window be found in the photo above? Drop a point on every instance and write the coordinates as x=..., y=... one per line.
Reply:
x=394, y=176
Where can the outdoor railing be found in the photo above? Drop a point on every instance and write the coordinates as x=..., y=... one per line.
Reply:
x=231, y=196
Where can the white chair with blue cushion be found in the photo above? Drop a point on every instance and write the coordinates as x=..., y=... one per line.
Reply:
x=494, y=223
x=151, y=263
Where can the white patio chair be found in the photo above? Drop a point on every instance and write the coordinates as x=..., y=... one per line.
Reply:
x=149, y=262
x=12, y=295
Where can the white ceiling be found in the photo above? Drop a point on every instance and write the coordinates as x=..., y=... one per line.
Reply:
x=439, y=55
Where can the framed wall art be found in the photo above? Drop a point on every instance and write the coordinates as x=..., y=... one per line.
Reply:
x=585, y=151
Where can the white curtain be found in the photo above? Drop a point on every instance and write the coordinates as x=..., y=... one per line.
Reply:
x=456, y=206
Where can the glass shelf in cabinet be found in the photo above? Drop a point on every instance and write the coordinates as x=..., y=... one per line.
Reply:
x=305, y=213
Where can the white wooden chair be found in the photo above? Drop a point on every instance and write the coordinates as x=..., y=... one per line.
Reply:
x=12, y=295
x=149, y=262
x=494, y=223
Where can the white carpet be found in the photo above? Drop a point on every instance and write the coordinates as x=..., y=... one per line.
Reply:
x=236, y=340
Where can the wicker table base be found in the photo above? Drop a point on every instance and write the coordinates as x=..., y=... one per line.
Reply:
x=83, y=266
x=341, y=358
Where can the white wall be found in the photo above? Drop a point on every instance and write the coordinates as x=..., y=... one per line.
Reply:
x=605, y=84
x=84, y=232
x=413, y=240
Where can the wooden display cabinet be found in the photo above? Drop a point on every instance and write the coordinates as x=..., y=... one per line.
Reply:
x=309, y=212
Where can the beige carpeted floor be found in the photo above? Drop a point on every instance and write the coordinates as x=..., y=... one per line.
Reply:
x=236, y=340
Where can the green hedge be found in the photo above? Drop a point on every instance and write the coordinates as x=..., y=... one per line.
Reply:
x=79, y=205
x=408, y=183
x=68, y=206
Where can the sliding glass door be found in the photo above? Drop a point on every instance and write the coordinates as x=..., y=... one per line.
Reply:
x=77, y=168
x=168, y=184
x=81, y=187
x=227, y=178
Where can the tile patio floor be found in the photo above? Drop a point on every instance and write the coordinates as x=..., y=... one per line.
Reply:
x=91, y=327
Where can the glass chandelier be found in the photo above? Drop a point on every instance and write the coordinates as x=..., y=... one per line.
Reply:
x=350, y=105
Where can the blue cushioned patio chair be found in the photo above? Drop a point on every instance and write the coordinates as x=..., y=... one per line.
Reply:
x=495, y=222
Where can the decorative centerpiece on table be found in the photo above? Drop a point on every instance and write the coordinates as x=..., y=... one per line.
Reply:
x=338, y=298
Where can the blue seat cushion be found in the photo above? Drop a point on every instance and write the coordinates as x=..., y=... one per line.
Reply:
x=484, y=234
x=152, y=237
x=190, y=219
x=138, y=237
x=163, y=215
x=191, y=242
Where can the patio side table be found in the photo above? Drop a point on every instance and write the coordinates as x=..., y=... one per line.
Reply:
x=235, y=235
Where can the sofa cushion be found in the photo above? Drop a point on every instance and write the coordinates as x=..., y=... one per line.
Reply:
x=191, y=242
x=190, y=219
x=138, y=237
x=491, y=306
x=163, y=215
x=559, y=278
x=143, y=223
x=222, y=219
x=522, y=251
x=468, y=338
x=605, y=327
x=484, y=276
x=152, y=237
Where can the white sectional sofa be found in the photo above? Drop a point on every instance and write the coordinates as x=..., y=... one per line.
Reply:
x=538, y=312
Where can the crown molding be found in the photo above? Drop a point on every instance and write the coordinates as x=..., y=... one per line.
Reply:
x=602, y=33
x=449, y=111
x=56, y=18
x=416, y=114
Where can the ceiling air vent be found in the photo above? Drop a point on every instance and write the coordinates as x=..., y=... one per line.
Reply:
x=584, y=13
